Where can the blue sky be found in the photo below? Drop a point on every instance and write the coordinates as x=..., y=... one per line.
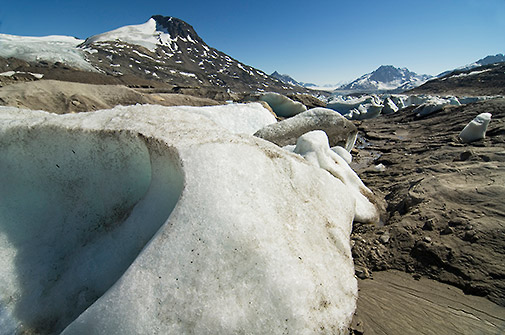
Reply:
x=313, y=41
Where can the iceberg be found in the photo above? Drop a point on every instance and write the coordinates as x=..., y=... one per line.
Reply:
x=150, y=219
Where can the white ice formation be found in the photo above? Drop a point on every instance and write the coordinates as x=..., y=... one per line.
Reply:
x=314, y=147
x=154, y=220
x=370, y=106
x=475, y=129
x=389, y=106
x=342, y=152
x=432, y=104
x=282, y=105
x=144, y=34
x=48, y=48
x=340, y=131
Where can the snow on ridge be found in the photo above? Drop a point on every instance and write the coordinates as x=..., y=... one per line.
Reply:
x=144, y=34
x=469, y=74
x=141, y=34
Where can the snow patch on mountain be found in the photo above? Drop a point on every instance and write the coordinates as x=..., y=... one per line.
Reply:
x=149, y=35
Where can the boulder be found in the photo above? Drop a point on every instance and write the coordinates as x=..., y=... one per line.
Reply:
x=340, y=131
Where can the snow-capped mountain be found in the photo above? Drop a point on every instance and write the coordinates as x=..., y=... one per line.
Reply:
x=385, y=78
x=163, y=49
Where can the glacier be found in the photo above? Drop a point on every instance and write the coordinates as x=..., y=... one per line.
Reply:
x=52, y=48
x=150, y=219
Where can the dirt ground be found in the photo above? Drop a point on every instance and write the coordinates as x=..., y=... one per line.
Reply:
x=395, y=303
x=445, y=201
x=67, y=97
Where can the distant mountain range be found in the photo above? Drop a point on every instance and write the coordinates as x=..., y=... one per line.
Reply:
x=386, y=78
x=163, y=49
x=287, y=79
x=169, y=51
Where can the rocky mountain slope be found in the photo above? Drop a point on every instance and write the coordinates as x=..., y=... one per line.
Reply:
x=483, y=80
x=164, y=49
x=488, y=60
x=386, y=78
x=285, y=78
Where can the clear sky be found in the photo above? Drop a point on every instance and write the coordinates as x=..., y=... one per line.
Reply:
x=313, y=41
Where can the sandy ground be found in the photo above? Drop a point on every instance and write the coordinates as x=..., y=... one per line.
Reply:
x=445, y=216
x=393, y=302
x=67, y=97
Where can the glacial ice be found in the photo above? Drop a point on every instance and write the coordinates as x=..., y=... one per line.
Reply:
x=344, y=104
x=282, y=105
x=314, y=147
x=340, y=131
x=475, y=129
x=389, y=106
x=150, y=219
x=342, y=152
x=77, y=208
x=371, y=106
x=49, y=48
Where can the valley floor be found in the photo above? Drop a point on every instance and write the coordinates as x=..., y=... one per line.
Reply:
x=444, y=220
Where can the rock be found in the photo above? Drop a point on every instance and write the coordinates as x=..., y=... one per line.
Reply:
x=427, y=239
x=428, y=225
x=282, y=105
x=470, y=235
x=384, y=239
x=456, y=222
x=362, y=272
x=447, y=231
x=339, y=130
x=149, y=219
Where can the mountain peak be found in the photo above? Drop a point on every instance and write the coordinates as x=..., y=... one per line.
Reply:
x=175, y=27
x=386, y=78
